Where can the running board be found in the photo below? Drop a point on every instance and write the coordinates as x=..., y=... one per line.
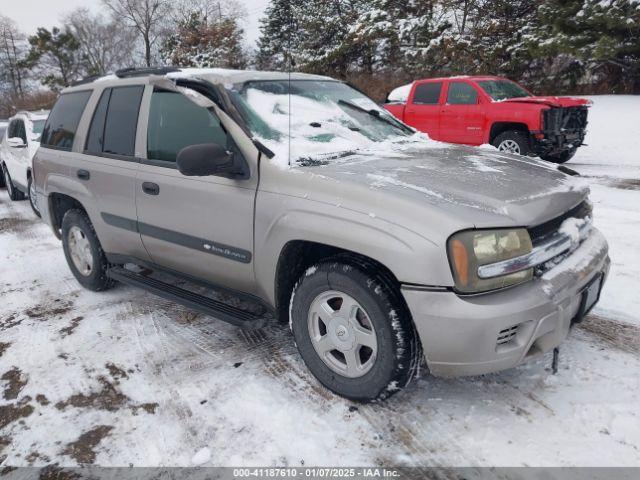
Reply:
x=195, y=301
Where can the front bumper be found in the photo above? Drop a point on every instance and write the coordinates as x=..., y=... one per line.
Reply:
x=473, y=335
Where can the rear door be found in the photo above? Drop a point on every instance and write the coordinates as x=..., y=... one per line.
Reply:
x=107, y=169
x=200, y=226
x=463, y=116
x=423, y=108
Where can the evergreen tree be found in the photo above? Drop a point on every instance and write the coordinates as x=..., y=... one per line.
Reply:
x=280, y=35
x=590, y=42
x=57, y=53
x=201, y=43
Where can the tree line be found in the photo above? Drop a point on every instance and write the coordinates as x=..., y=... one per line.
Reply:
x=551, y=46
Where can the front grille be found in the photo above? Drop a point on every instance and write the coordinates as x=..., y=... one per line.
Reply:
x=560, y=120
x=541, y=232
x=507, y=335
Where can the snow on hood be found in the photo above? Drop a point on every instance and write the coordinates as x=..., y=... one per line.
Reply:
x=522, y=190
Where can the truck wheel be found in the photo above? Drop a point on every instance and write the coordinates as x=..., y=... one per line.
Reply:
x=513, y=141
x=83, y=252
x=14, y=194
x=353, y=332
x=561, y=157
x=33, y=198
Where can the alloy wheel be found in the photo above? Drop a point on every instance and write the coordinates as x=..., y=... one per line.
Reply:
x=80, y=251
x=509, y=146
x=342, y=334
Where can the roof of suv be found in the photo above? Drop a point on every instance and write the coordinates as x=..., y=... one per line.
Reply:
x=213, y=75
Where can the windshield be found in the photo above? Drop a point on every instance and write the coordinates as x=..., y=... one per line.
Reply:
x=38, y=127
x=503, y=89
x=305, y=119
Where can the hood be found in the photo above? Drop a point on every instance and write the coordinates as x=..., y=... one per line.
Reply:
x=551, y=101
x=478, y=187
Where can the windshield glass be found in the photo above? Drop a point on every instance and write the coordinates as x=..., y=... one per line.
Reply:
x=503, y=89
x=38, y=127
x=311, y=118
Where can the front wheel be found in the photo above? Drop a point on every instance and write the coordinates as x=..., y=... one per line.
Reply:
x=14, y=193
x=354, y=332
x=33, y=198
x=560, y=157
x=513, y=141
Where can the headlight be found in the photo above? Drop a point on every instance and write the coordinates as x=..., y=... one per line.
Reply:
x=472, y=248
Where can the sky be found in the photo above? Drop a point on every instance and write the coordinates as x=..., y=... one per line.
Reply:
x=31, y=14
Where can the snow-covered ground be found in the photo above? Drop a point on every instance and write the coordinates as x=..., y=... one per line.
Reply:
x=124, y=377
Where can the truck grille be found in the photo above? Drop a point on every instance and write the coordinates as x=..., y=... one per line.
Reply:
x=543, y=231
x=560, y=120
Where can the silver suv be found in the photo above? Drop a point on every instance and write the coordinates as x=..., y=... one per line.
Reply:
x=310, y=204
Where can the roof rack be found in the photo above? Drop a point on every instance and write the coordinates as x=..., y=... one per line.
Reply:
x=143, y=72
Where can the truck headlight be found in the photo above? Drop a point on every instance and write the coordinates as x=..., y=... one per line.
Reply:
x=471, y=249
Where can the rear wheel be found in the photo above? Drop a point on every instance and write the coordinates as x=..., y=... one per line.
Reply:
x=560, y=157
x=513, y=141
x=33, y=198
x=14, y=193
x=83, y=252
x=353, y=331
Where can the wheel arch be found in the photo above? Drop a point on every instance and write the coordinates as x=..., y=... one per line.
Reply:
x=297, y=256
x=498, y=128
x=59, y=204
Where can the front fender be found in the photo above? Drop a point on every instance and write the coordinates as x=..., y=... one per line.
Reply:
x=281, y=219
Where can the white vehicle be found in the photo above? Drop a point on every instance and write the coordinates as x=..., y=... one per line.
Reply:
x=19, y=144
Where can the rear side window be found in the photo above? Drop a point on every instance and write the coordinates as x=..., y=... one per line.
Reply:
x=427, y=93
x=176, y=122
x=115, y=121
x=61, y=126
x=11, y=131
x=20, y=131
x=461, y=94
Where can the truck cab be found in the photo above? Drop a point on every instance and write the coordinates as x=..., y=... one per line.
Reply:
x=493, y=110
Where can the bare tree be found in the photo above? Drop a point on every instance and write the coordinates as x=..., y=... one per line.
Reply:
x=13, y=52
x=105, y=44
x=146, y=17
x=209, y=11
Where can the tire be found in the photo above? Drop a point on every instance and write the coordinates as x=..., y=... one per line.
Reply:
x=513, y=141
x=76, y=223
x=31, y=190
x=561, y=157
x=380, y=313
x=15, y=195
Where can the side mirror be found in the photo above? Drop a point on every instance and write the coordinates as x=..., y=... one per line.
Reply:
x=204, y=160
x=16, y=142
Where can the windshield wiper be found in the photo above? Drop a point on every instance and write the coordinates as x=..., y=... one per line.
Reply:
x=376, y=114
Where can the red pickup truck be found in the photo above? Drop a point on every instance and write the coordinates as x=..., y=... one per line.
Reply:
x=481, y=110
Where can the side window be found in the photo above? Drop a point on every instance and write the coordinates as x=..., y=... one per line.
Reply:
x=176, y=122
x=122, y=120
x=427, y=93
x=20, y=131
x=61, y=126
x=461, y=94
x=115, y=121
x=11, y=131
x=95, y=137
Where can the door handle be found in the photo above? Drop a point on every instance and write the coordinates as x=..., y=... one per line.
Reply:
x=150, y=188
x=83, y=174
